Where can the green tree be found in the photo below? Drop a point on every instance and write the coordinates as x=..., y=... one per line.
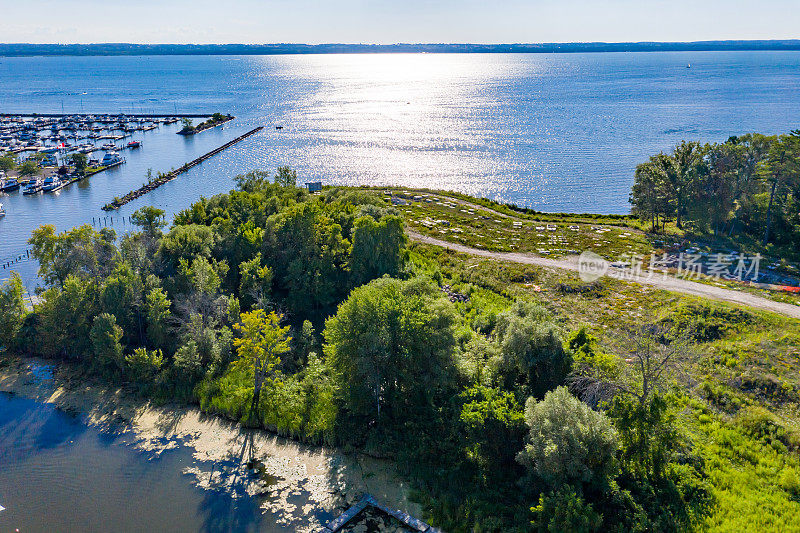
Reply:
x=261, y=343
x=121, y=295
x=157, y=313
x=780, y=167
x=79, y=161
x=106, y=337
x=309, y=257
x=651, y=195
x=533, y=353
x=143, y=365
x=252, y=181
x=12, y=310
x=286, y=177
x=647, y=433
x=188, y=368
x=495, y=427
x=715, y=191
x=81, y=252
x=568, y=443
x=687, y=158
x=187, y=242
x=65, y=319
x=28, y=168
x=390, y=344
x=7, y=162
x=255, y=282
x=377, y=248
x=150, y=219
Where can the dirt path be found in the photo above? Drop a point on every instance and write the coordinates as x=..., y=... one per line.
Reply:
x=658, y=281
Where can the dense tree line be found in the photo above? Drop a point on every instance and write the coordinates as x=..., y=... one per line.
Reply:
x=747, y=185
x=305, y=314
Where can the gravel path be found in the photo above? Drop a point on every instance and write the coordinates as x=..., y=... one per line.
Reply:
x=658, y=281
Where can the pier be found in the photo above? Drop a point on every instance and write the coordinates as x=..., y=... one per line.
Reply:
x=161, y=180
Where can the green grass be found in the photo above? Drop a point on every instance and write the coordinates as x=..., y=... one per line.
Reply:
x=755, y=485
x=741, y=359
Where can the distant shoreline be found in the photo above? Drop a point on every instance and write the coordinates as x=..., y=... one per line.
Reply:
x=127, y=49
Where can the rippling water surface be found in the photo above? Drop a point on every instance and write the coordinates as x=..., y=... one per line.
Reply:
x=556, y=132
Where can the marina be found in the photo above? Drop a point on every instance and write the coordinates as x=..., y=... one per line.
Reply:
x=63, y=135
x=49, y=152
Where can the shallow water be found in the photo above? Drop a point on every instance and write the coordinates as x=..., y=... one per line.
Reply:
x=81, y=455
x=557, y=132
x=58, y=473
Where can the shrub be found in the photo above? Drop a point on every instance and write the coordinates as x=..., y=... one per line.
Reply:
x=564, y=510
x=568, y=442
x=761, y=424
x=706, y=323
x=143, y=365
x=587, y=354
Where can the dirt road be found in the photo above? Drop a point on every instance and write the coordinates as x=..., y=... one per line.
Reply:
x=658, y=281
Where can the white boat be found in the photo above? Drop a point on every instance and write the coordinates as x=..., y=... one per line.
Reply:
x=33, y=187
x=2, y=214
x=9, y=185
x=111, y=158
x=52, y=183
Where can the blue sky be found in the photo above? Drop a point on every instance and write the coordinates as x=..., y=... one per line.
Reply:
x=389, y=21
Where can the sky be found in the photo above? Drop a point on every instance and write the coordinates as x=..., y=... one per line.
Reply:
x=393, y=21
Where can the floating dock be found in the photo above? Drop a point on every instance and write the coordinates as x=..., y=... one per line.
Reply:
x=146, y=188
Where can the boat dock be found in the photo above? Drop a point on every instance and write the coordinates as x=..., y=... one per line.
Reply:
x=368, y=502
x=161, y=180
x=77, y=132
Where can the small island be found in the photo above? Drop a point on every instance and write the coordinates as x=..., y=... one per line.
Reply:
x=217, y=119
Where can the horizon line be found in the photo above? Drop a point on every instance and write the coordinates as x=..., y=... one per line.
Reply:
x=162, y=49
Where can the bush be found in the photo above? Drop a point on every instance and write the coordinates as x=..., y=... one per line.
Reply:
x=586, y=354
x=564, y=510
x=761, y=424
x=568, y=442
x=143, y=365
x=790, y=481
x=706, y=323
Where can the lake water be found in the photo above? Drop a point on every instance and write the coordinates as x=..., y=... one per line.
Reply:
x=57, y=473
x=556, y=132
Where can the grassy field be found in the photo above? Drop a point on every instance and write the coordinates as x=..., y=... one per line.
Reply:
x=740, y=385
x=496, y=227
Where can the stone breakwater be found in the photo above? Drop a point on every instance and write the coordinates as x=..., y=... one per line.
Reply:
x=161, y=180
